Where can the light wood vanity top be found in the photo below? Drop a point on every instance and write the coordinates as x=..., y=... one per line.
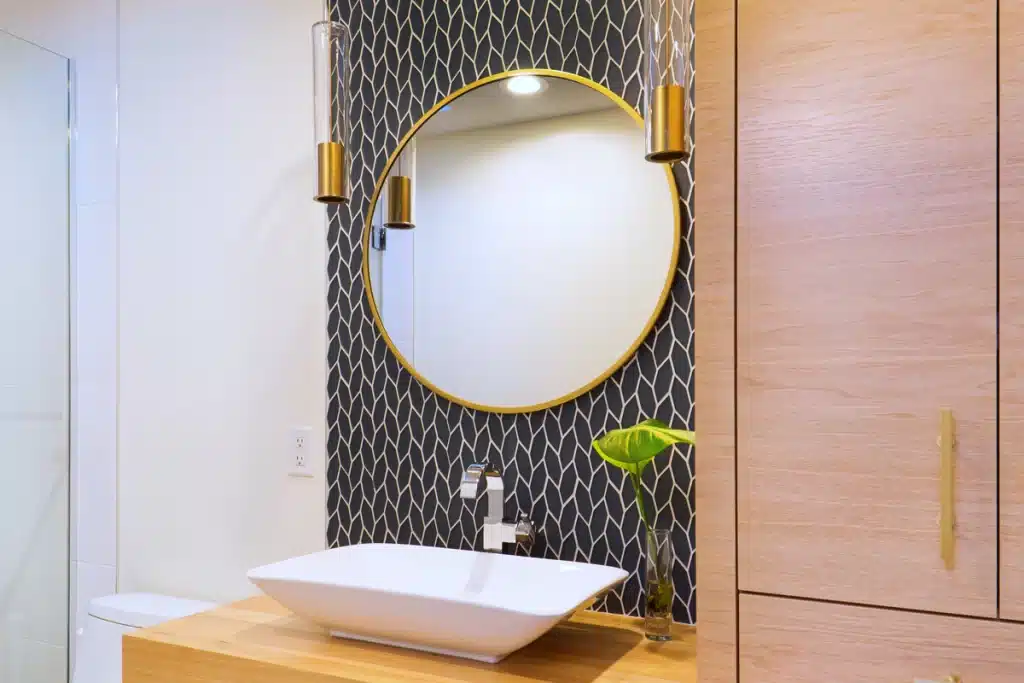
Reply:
x=258, y=641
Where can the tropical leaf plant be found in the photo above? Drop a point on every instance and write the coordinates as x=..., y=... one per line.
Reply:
x=632, y=449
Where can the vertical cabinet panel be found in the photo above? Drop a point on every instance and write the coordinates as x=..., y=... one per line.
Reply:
x=714, y=233
x=866, y=298
x=1011, y=307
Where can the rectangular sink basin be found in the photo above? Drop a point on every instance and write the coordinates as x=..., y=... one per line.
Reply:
x=481, y=606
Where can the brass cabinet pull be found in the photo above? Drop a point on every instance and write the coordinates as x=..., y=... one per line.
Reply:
x=947, y=493
x=948, y=679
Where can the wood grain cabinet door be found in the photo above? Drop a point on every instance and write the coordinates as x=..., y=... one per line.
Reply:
x=866, y=299
x=1011, y=308
x=802, y=641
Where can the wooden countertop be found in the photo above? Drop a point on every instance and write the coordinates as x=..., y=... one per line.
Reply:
x=258, y=641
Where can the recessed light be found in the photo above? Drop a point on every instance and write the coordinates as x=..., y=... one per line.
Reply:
x=525, y=85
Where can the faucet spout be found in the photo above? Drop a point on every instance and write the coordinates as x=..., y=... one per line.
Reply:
x=469, y=489
x=472, y=478
x=496, y=531
x=495, y=498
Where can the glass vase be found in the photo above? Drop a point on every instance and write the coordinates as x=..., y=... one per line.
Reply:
x=658, y=591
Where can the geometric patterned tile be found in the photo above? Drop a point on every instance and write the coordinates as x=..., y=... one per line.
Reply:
x=396, y=450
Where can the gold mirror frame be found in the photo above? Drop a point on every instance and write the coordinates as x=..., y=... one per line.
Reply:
x=665, y=292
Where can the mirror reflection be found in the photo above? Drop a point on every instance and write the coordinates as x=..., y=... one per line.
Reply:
x=531, y=246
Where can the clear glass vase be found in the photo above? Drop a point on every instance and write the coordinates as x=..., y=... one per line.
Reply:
x=658, y=591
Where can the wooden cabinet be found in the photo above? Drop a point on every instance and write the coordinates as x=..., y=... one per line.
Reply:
x=715, y=237
x=1011, y=308
x=870, y=278
x=797, y=641
x=866, y=299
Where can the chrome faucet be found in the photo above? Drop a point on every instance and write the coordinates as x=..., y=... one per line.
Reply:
x=497, y=532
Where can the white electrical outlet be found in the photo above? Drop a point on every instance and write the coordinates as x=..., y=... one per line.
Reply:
x=300, y=452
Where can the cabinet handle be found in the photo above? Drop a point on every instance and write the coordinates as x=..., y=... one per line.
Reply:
x=947, y=491
x=948, y=679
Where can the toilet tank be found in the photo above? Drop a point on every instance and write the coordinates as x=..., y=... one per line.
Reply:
x=98, y=652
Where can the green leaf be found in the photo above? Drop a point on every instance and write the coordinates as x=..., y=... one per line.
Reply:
x=634, y=447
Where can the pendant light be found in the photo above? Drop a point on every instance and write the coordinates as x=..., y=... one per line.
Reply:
x=666, y=61
x=400, y=188
x=331, y=106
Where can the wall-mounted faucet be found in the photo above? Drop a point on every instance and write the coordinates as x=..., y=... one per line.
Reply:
x=497, y=531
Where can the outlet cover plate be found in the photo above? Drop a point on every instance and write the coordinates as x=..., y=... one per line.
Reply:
x=300, y=452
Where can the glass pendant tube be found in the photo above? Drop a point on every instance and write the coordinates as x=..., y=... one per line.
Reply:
x=331, y=106
x=399, y=190
x=666, y=70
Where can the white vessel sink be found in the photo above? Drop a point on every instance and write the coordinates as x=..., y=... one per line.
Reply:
x=454, y=602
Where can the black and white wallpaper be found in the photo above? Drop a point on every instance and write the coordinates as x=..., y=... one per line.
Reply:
x=396, y=451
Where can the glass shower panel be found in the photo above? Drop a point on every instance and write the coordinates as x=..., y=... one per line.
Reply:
x=34, y=367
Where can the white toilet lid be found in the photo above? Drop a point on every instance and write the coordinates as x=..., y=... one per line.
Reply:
x=144, y=609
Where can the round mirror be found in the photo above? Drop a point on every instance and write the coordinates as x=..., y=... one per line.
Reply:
x=520, y=248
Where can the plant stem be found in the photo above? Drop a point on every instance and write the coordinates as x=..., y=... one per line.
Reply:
x=638, y=491
x=649, y=540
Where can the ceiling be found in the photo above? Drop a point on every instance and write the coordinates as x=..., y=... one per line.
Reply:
x=492, y=105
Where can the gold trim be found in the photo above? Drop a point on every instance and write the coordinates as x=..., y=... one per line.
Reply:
x=665, y=292
x=668, y=143
x=330, y=177
x=947, y=488
x=399, y=206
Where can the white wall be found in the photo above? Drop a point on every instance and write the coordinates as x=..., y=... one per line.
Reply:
x=86, y=32
x=222, y=292
x=552, y=237
x=34, y=352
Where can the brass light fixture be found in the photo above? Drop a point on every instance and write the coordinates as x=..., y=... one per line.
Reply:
x=331, y=99
x=399, y=191
x=666, y=70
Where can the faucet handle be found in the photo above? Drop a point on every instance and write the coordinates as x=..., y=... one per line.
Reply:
x=526, y=531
